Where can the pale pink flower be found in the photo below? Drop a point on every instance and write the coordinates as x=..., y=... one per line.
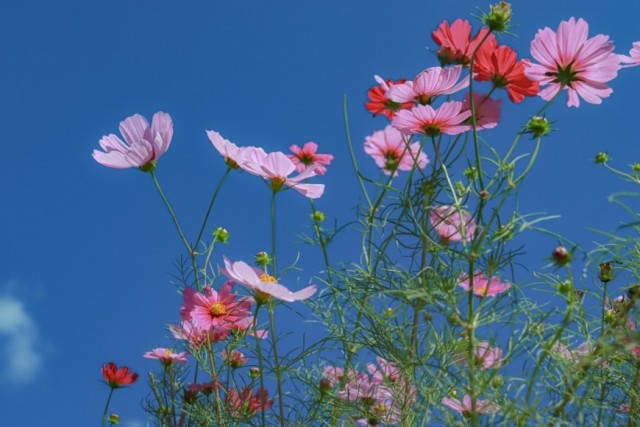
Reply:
x=196, y=336
x=452, y=224
x=392, y=151
x=235, y=359
x=464, y=407
x=482, y=286
x=264, y=285
x=231, y=153
x=384, y=371
x=634, y=56
x=424, y=119
x=570, y=61
x=211, y=308
x=144, y=144
x=625, y=408
x=335, y=375
x=486, y=356
x=487, y=110
x=166, y=356
x=276, y=168
x=308, y=158
x=246, y=402
x=245, y=326
x=431, y=82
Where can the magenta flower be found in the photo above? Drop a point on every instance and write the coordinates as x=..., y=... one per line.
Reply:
x=265, y=286
x=245, y=403
x=452, y=224
x=570, y=61
x=392, y=151
x=166, y=356
x=276, y=168
x=487, y=110
x=144, y=145
x=634, y=56
x=424, y=119
x=431, y=82
x=211, y=308
x=308, y=158
x=483, y=287
x=197, y=336
x=464, y=407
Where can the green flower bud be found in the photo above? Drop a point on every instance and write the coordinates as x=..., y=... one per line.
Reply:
x=635, y=167
x=318, y=216
x=221, y=235
x=498, y=18
x=263, y=259
x=538, y=126
x=114, y=418
x=605, y=273
x=602, y=157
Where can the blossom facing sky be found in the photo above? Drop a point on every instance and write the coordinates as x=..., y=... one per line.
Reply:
x=264, y=285
x=144, y=144
x=487, y=110
x=166, y=356
x=429, y=83
x=118, y=377
x=392, y=151
x=464, y=407
x=483, y=286
x=634, y=56
x=424, y=119
x=227, y=149
x=501, y=67
x=569, y=60
x=307, y=157
x=456, y=44
x=379, y=103
x=452, y=224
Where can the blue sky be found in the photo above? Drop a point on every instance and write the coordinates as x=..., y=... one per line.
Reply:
x=87, y=252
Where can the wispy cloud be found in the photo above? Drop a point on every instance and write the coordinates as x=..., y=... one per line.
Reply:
x=19, y=358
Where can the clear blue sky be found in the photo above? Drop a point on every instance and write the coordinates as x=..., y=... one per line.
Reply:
x=87, y=252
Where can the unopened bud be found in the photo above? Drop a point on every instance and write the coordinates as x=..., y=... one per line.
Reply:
x=605, y=273
x=565, y=287
x=635, y=167
x=601, y=157
x=221, y=235
x=318, y=216
x=497, y=381
x=537, y=126
x=561, y=256
x=254, y=372
x=263, y=259
x=325, y=385
x=114, y=418
x=498, y=18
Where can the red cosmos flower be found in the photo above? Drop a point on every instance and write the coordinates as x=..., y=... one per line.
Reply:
x=456, y=45
x=502, y=68
x=378, y=101
x=118, y=377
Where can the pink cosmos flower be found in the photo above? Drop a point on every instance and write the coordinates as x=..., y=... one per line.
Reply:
x=482, y=286
x=335, y=375
x=424, y=119
x=212, y=308
x=264, y=285
x=144, y=145
x=276, y=168
x=570, y=61
x=231, y=153
x=384, y=371
x=634, y=56
x=245, y=403
x=487, y=110
x=456, y=45
x=245, y=326
x=378, y=399
x=452, y=224
x=166, y=356
x=486, y=356
x=308, y=158
x=196, y=336
x=464, y=407
x=379, y=103
x=392, y=151
x=235, y=359
x=431, y=82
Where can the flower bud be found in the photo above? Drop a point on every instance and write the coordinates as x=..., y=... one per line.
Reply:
x=498, y=18
x=318, y=216
x=221, y=235
x=497, y=381
x=635, y=167
x=471, y=173
x=114, y=418
x=325, y=386
x=605, y=273
x=561, y=256
x=263, y=259
x=565, y=287
x=537, y=126
x=254, y=372
x=601, y=157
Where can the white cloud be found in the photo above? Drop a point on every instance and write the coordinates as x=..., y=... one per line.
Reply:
x=18, y=341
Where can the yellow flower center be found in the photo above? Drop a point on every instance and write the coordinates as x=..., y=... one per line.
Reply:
x=264, y=277
x=217, y=309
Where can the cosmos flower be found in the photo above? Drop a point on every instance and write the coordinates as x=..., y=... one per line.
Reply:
x=379, y=103
x=166, y=356
x=118, y=377
x=482, y=286
x=502, y=68
x=486, y=356
x=231, y=153
x=449, y=222
x=634, y=56
x=246, y=402
x=308, y=158
x=424, y=119
x=464, y=407
x=235, y=359
x=456, y=44
x=275, y=168
x=264, y=285
x=486, y=108
x=429, y=83
x=144, y=145
x=211, y=308
x=391, y=151
x=197, y=336
x=570, y=61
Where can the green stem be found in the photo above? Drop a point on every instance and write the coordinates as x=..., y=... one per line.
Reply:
x=106, y=407
x=274, y=349
x=260, y=366
x=213, y=199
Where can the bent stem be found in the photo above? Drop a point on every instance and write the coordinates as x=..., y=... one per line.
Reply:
x=106, y=407
x=213, y=200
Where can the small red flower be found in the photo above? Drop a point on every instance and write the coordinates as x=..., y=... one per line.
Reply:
x=502, y=68
x=456, y=44
x=379, y=103
x=118, y=377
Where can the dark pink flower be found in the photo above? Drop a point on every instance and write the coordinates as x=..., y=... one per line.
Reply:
x=379, y=103
x=487, y=110
x=464, y=407
x=235, y=359
x=429, y=83
x=452, y=224
x=246, y=403
x=197, y=336
x=211, y=308
x=166, y=356
x=456, y=44
x=482, y=286
x=424, y=119
x=118, y=377
x=146, y=144
x=392, y=151
x=570, y=61
x=308, y=158
x=264, y=285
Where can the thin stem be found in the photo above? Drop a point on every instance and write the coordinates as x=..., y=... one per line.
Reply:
x=352, y=153
x=260, y=365
x=274, y=349
x=213, y=199
x=106, y=407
